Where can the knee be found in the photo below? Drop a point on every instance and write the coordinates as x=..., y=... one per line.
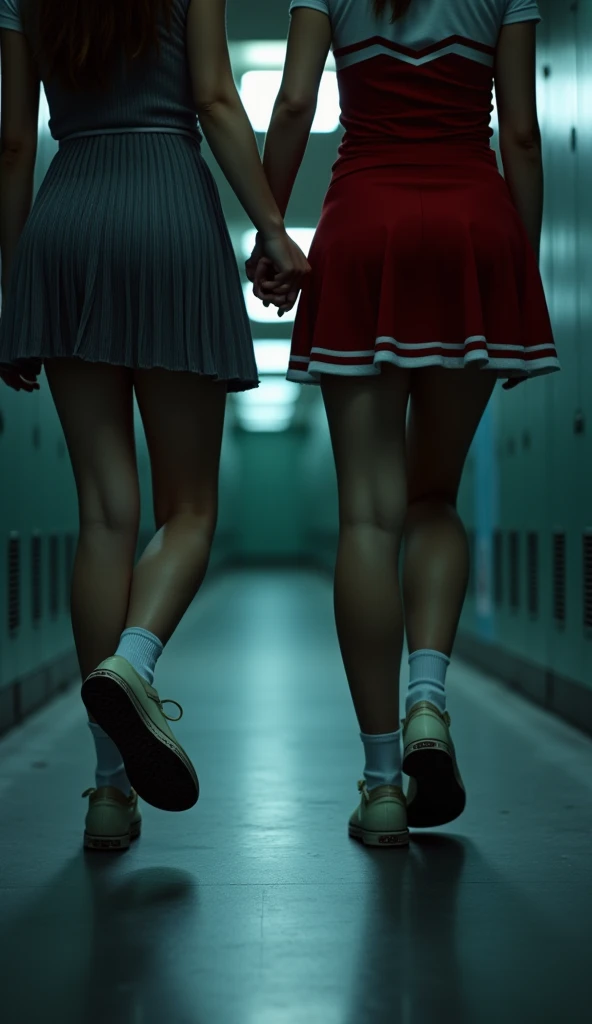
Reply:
x=117, y=513
x=437, y=497
x=387, y=517
x=200, y=518
x=437, y=506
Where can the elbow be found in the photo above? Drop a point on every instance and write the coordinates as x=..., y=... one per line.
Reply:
x=205, y=107
x=526, y=140
x=212, y=101
x=295, y=106
x=11, y=152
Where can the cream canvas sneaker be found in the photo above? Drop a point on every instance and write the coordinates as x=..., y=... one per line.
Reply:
x=381, y=817
x=436, y=794
x=131, y=713
x=112, y=819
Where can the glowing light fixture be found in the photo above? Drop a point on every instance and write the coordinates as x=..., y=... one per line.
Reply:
x=274, y=391
x=259, y=89
x=264, y=53
x=268, y=407
x=267, y=417
x=272, y=356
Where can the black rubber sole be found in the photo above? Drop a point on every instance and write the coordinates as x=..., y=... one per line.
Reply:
x=439, y=798
x=158, y=774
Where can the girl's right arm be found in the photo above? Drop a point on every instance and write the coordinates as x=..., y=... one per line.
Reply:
x=222, y=116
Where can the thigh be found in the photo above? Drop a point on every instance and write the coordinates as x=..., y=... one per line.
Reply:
x=94, y=403
x=445, y=410
x=183, y=417
x=366, y=418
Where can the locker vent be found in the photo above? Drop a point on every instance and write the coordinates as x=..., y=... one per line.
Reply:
x=70, y=555
x=36, y=605
x=514, y=570
x=533, y=573
x=559, y=577
x=498, y=593
x=14, y=583
x=53, y=576
x=587, y=580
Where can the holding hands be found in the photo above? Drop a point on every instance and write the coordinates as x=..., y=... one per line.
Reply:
x=277, y=267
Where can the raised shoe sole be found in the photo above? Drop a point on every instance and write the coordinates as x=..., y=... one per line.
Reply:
x=436, y=795
x=157, y=767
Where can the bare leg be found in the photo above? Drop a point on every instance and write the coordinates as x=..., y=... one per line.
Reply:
x=446, y=409
x=183, y=416
x=95, y=407
x=367, y=424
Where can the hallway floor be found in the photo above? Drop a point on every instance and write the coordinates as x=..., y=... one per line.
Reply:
x=255, y=907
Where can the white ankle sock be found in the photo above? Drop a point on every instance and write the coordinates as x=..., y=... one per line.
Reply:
x=383, y=759
x=427, y=675
x=142, y=649
x=110, y=769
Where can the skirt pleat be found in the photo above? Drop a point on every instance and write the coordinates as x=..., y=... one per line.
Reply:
x=422, y=265
x=126, y=259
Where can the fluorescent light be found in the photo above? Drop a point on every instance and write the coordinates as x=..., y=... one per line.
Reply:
x=264, y=53
x=261, y=54
x=259, y=89
x=272, y=356
x=302, y=236
x=262, y=314
x=267, y=417
x=274, y=391
x=267, y=428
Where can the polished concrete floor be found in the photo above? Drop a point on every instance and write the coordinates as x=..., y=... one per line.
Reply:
x=255, y=907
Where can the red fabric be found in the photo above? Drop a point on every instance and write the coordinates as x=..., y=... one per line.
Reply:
x=420, y=258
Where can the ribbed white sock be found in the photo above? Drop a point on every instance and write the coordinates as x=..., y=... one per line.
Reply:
x=110, y=769
x=383, y=759
x=427, y=675
x=142, y=649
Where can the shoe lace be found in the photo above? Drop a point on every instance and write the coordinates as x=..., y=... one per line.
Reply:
x=362, y=783
x=168, y=700
x=92, y=789
x=153, y=695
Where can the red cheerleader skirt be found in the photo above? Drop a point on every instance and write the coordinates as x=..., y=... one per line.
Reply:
x=421, y=259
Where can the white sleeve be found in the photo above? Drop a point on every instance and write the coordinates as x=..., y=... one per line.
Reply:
x=317, y=5
x=10, y=15
x=521, y=10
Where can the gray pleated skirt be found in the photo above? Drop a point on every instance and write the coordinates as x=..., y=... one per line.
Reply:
x=126, y=259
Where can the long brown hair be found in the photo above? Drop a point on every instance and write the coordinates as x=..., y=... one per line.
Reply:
x=77, y=42
x=398, y=8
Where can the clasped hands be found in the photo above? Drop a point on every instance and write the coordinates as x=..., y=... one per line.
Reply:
x=277, y=268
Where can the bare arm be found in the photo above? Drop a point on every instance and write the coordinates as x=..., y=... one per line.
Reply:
x=232, y=141
x=523, y=171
